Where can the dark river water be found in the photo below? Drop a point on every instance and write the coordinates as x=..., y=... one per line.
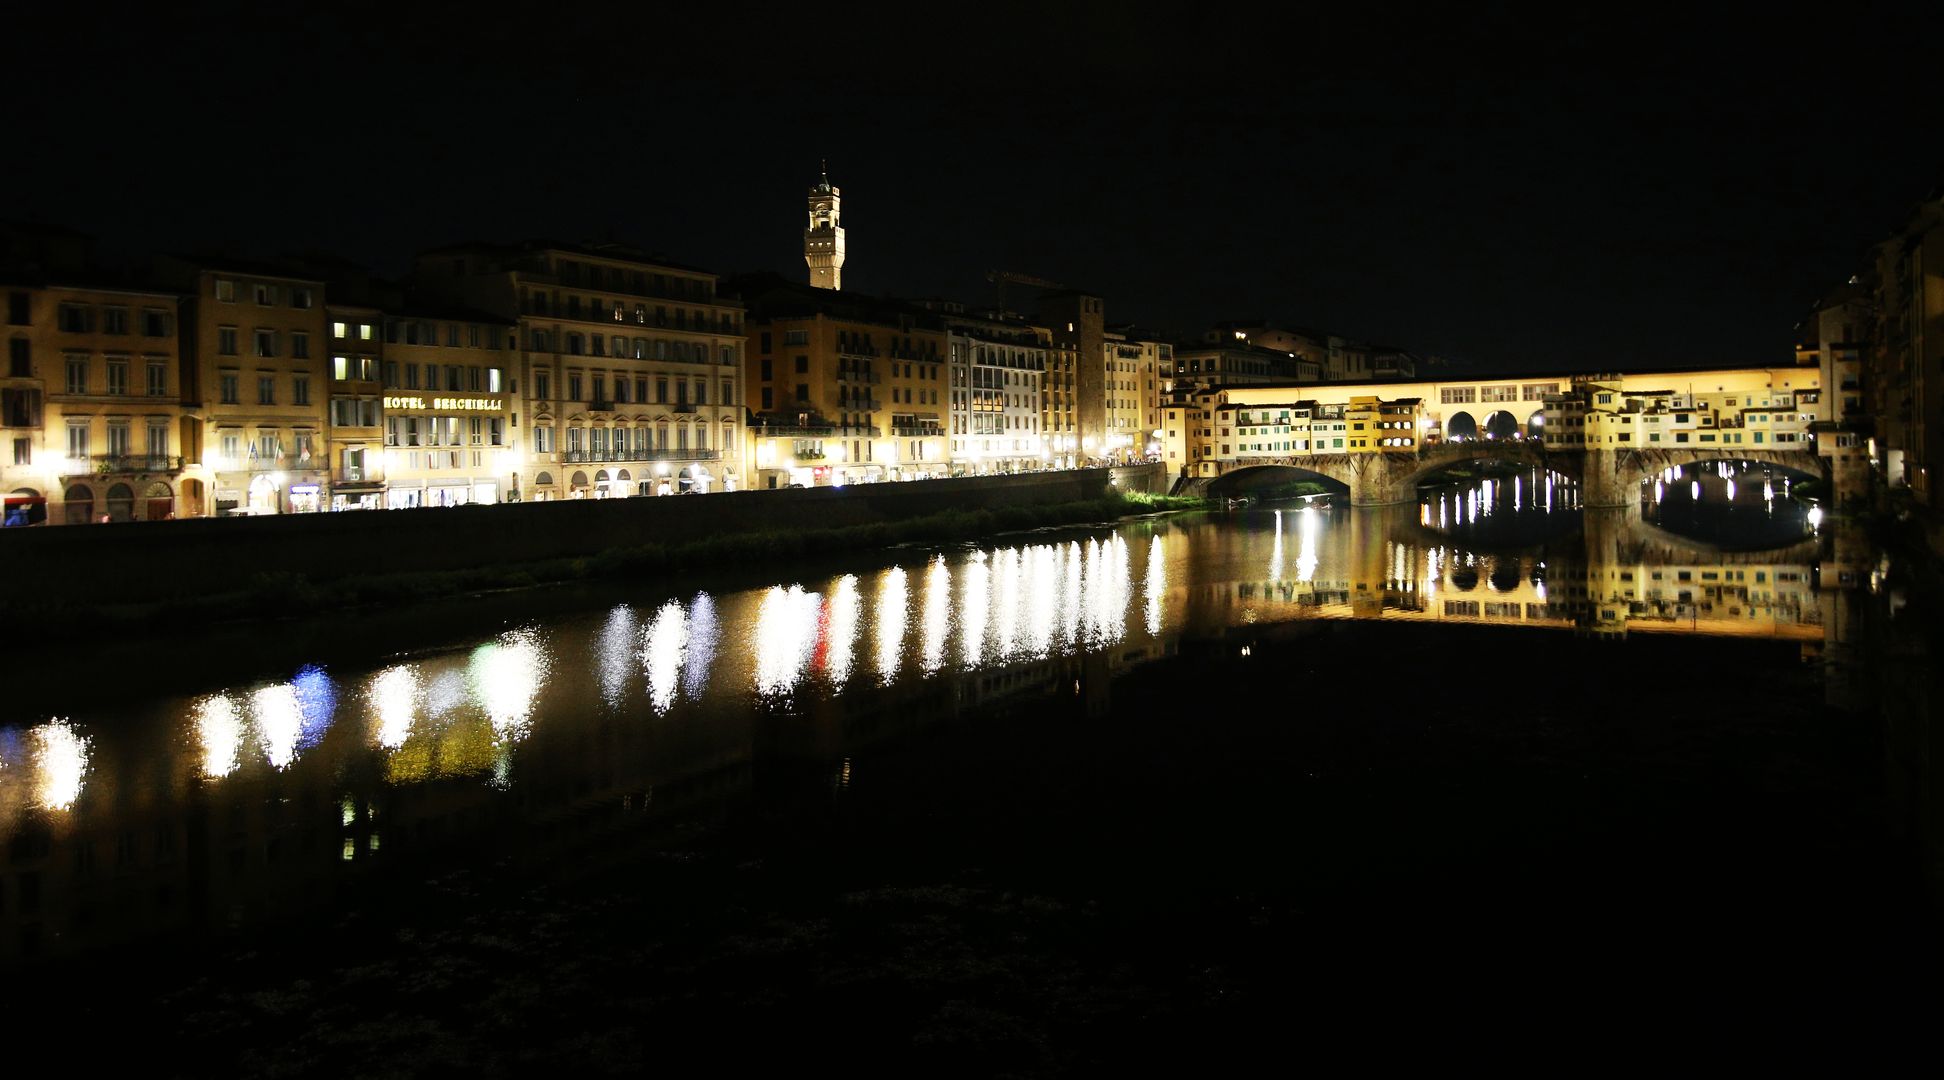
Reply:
x=1195, y=677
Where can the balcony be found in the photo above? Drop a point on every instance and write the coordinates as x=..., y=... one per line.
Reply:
x=683, y=407
x=869, y=378
x=622, y=457
x=136, y=463
x=916, y=431
x=793, y=431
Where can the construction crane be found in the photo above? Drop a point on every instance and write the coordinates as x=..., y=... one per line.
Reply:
x=1001, y=278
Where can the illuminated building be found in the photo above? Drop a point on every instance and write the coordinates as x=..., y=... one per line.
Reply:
x=998, y=373
x=843, y=388
x=1134, y=364
x=255, y=379
x=631, y=366
x=823, y=239
x=91, y=401
x=1077, y=323
x=450, y=409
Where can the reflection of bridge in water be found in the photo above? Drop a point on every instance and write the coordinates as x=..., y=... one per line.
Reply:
x=1618, y=575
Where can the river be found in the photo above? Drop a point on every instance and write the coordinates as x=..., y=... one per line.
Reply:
x=1280, y=702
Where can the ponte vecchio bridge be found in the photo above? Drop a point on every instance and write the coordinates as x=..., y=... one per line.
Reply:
x=1608, y=432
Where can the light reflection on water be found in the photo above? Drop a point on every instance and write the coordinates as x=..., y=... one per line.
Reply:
x=696, y=669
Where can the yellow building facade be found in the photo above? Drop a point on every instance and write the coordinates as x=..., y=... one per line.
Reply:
x=630, y=365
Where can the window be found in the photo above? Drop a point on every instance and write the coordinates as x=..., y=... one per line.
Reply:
x=158, y=437
x=226, y=290
x=300, y=297
x=117, y=438
x=300, y=389
x=300, y=345
x=266, y=343
x=226, y=340
x=364, y=332
x=340, y=367
x=542, y=385
x=17, y=309
x=228, y=383
x=338, y=330
x=77, y=374
x=543, y=440
x=802, y=365
x=114, y=320
x=266, y=295
x=266, y=390
x=75, y=319
x=794, y=337
x=117, y=375
x=574, y=386
x=77, y=439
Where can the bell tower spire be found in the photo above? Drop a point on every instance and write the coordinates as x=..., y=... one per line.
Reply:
x=823, y=241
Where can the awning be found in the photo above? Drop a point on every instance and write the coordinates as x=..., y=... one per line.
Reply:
x=357, y=489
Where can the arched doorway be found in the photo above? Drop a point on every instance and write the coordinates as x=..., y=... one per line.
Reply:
x=79, y=500
x=121, y=503
x=577, y=485
x=1460, y=427
x=601, y=483
x=192, y=499
x=263, y=495
x=621, y=486
x=24, y=506
x=1536, y=424
x=543, y=487
x=158, y=503
x=1501, y=425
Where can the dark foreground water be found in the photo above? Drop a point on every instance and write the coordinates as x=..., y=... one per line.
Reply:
x=1184, y=790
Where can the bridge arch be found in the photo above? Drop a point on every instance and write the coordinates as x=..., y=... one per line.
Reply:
x=1535, y=425
x=1621, y=478
x=1267, y=476
x=1460, y=426
x=1501, y=424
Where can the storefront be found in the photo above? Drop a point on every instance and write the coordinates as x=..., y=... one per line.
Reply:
x=358, y=496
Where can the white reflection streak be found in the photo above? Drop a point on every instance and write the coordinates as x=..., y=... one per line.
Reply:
x=1070, y=596
x=220, y=733
x=60, y=756
x=278, y=722
x=1308, y=524
x=667, y=641
x=616, y=648
x=1042, y=591
x=938, y=589
x=506, y=676
x=1156, y=585
x=786, y=634
x=702, y=635
x=393, y=694
x=973, y=608
x=841, y=630
x=1006, y=608
x=1276, y=552
x=892, y=600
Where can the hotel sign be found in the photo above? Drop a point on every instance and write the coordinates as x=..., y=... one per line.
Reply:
x=446, y=404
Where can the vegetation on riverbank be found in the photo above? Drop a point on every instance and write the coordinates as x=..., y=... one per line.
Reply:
x=281, y=594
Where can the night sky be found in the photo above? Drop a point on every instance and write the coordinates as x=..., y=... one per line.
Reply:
x=1511, y=192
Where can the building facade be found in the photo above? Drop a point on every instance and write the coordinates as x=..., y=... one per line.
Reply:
x=450, y=411
x=998, y=376
x=843, y=389
x=1135, y=367
x=91, y=407
x=1906, y=368
x=255, y=378
x=630, y=365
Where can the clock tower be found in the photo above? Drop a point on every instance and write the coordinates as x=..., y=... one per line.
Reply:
x=823, y=241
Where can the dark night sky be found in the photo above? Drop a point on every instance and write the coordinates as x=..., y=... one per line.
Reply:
x=1511, y=191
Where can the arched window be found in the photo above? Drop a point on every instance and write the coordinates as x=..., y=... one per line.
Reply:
x=80, y=504
x=121, y=503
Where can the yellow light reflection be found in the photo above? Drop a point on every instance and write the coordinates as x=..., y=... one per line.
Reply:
x=1156, y=585
x=702, y=635
x=1276, y=551
x=786, y=633
x=506, y=675
x=840, y=631
x=938, y=598
x=1043, y=593
x=394, y=701
x=973, y=606
x=892, y=600
x=60, y=764
x=220, y=732
x=1006, y=606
